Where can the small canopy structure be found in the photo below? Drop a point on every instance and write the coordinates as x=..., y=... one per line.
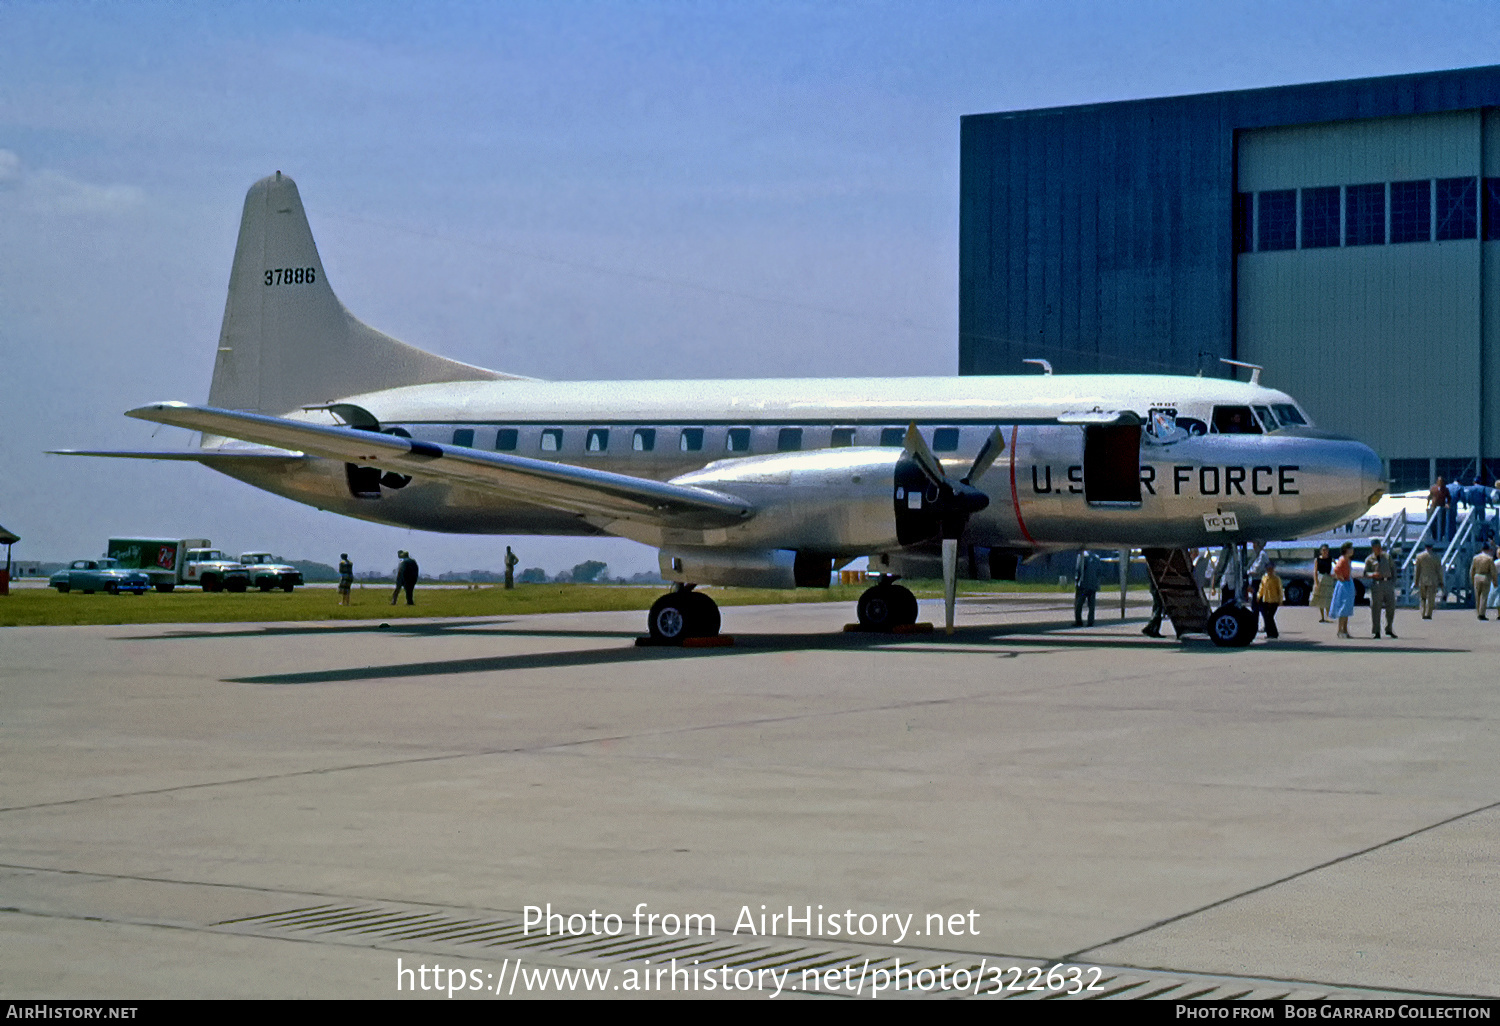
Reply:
x=7, y=539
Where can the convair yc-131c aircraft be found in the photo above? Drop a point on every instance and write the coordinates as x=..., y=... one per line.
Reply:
x=767, y=483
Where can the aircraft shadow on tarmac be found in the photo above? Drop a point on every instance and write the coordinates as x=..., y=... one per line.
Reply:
x=1005, y=641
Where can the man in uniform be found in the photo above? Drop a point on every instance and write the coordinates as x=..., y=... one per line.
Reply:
x=1086, y=586
x=1380, y=585
x=1482, y=576
x=1428, y=580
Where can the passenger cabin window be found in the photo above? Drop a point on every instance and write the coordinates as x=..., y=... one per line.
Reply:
x=945, y=440
x=789, y=440
x=505, y=440
x=644, y=439
x=692, y=439
x=738, y=440
x=552, y=440
x=598, y=440
x=892, y=436
x=464, y=437
x=1289, y=414
x=842, y=438
x=1267, y=418
x=1235, y=420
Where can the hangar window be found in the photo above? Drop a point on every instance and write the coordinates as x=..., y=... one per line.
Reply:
x=598, y=440
x=842, y=438
x=505, y=440
x=1411, y=211
x=1235, y=420
x=1409, y=475
x=1364, y=209
x=892, y=436
x=1457, y=208
x=1492, y=208
x=1277, y=217
x=692, y=439
x=789, y=440
x=738, y=440
x=552, y=440
x=644, y=439
x=945, y=440
x=1320, y=217
x=464, y=437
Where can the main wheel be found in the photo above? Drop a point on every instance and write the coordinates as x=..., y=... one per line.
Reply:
x=1232, y=627
x=703, y=619
x=671, y=617
x=1296, y=593
x=885, y=606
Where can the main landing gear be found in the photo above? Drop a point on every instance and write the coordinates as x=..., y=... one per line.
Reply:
x=887, y=605
x=681, y=614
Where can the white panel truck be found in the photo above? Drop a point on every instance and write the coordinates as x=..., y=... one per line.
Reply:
x=174, y=561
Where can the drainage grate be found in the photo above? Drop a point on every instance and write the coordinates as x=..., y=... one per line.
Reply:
x=476, y=934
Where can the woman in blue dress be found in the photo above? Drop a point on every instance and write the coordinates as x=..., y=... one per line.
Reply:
x=1342, y=605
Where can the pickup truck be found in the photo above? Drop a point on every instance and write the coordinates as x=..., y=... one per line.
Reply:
x=266, y=573
x=173, y=561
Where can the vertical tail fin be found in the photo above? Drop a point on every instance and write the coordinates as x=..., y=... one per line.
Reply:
x=287, y=341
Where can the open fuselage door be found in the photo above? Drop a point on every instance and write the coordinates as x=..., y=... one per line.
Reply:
x=1112, y=465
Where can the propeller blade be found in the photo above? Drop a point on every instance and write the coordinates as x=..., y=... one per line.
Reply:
x=950, y=580
x=916, y=447
x=990, y=451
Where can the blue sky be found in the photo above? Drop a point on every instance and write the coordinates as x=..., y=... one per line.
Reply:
x=567, y=190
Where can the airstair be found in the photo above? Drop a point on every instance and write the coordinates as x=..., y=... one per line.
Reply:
x=1456, y=558
x=1172, y=573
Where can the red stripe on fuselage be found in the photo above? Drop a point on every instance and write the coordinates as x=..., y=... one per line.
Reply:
x=1015, y=496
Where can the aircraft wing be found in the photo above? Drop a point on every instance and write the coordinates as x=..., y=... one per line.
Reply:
x=186, y=455
x=556, y=485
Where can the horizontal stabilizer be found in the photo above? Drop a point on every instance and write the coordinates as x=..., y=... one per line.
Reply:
x=556, y=485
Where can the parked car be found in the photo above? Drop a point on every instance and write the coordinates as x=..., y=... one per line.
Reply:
x=91, y=575
x=266, y=573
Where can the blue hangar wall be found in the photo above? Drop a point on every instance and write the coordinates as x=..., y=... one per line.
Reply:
x=1282, y=226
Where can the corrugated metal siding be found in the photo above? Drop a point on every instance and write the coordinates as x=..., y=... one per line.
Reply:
x=1355, y=152
x=1100, y=237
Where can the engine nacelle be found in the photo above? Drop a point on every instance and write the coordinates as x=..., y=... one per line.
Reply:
x=836, y=502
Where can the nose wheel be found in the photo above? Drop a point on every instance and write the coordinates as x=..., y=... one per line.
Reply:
x=886, y=606
x=1232, y=626
x=680, y=615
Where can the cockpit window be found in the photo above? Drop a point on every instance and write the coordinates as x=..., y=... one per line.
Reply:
x=1235, y=420
x=1267, y=418
x=1289, y=414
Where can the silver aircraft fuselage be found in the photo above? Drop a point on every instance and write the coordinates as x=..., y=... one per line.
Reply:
x=818, y=458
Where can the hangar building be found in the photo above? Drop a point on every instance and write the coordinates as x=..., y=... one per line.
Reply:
x=1341, y=234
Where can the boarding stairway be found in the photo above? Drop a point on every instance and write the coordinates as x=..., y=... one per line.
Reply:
x=1455, y=558
x=1172, y=574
